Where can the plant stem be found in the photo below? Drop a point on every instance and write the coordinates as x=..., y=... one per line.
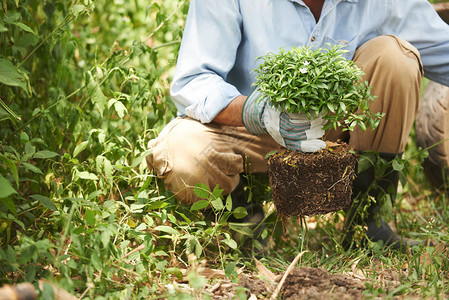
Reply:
x=166, y=19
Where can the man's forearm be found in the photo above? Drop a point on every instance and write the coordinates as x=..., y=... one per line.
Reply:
x=232, y=114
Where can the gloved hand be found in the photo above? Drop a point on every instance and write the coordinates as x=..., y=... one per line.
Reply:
x=293, y=131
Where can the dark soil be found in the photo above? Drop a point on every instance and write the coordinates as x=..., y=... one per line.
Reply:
x=316, y=283
x=307, y=184
x=307, y=283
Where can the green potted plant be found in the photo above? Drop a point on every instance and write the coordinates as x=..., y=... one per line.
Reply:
x=320, y=83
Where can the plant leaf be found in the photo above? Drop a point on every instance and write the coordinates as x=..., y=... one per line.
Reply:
x=24, y=27
x=87, y=175
x=240, y=212
x=201, y=190
x=12, y=167
x=79, y=148
x=46, y=202
x=45, y=154
x=217, y=204
x=10, y=76
x=5, y=188
x=89, y=215
x=166, y=229
x=32, y=168
x=120, y=109
x=201, y=204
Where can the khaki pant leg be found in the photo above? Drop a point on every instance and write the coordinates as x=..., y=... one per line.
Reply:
x=393, y=69
x=188, y=152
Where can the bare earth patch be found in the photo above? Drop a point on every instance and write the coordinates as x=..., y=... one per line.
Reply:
x=301, y=283
x=317, y=283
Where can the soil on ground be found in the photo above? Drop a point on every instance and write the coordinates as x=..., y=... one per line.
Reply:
x=307, y=184
x=316, y=283
x=307, y=283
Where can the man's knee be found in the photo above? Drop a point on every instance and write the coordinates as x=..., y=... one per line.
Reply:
x=186, y=154
x=393, y=55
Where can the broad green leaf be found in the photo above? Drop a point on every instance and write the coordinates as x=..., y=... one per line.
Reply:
x=172, y=219
x=95, y=194
x=89, y=215
x=228, y=203
x=397, y=166
x=5, y=188
x=24, y=27
x=75, y=10
x=365, y=162
x=362, y=126
x=96, y=96
x=24, y=137
x=217, y=192
x=108, y=169
x=157, y=205
x=217, y=204
x=46, y=202
x=29, y=149
x=166, y=229
x=87, y=175
x=198, y=249
x=79, y=148
x=185, y=217
x=12, y=167
x=11, y=16
x=7, y=201
x=201, y=204
x=10, y=76
x=27, y=40
x=231, y=243
x=240, y=212
x=141, y=227
x=230, y=269
x=45, y=154
x=2, y=27
x=105, y=238
x=120, y=109
x=386, y=208
x=174, y=271
x=96, y=261
x=101, y=137
x=32, y=168
x=137, y=207
x=140, y=158
x=201, y=190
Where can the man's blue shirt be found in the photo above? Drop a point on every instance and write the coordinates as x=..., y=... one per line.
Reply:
x=223, y=40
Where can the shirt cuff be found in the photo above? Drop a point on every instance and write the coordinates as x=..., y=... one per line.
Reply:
x=217, y=99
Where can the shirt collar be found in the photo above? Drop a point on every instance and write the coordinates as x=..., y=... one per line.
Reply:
x=302, y=3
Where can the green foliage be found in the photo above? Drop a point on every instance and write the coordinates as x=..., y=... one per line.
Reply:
x=83, y=87
x=320, y=82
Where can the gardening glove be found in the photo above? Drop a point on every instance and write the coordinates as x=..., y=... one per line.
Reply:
x=293, y=131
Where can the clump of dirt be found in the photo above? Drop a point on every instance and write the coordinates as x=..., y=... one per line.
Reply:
x=306, y=283
x=307, y=184
x=317, y=283
x=256, y=286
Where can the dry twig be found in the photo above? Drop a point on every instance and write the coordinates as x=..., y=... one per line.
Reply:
x=289, y=269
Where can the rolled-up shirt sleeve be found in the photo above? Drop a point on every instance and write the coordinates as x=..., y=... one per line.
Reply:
x=417, y=22
x=208, y=52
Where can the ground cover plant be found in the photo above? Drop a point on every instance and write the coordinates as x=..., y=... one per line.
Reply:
x=83, y=87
